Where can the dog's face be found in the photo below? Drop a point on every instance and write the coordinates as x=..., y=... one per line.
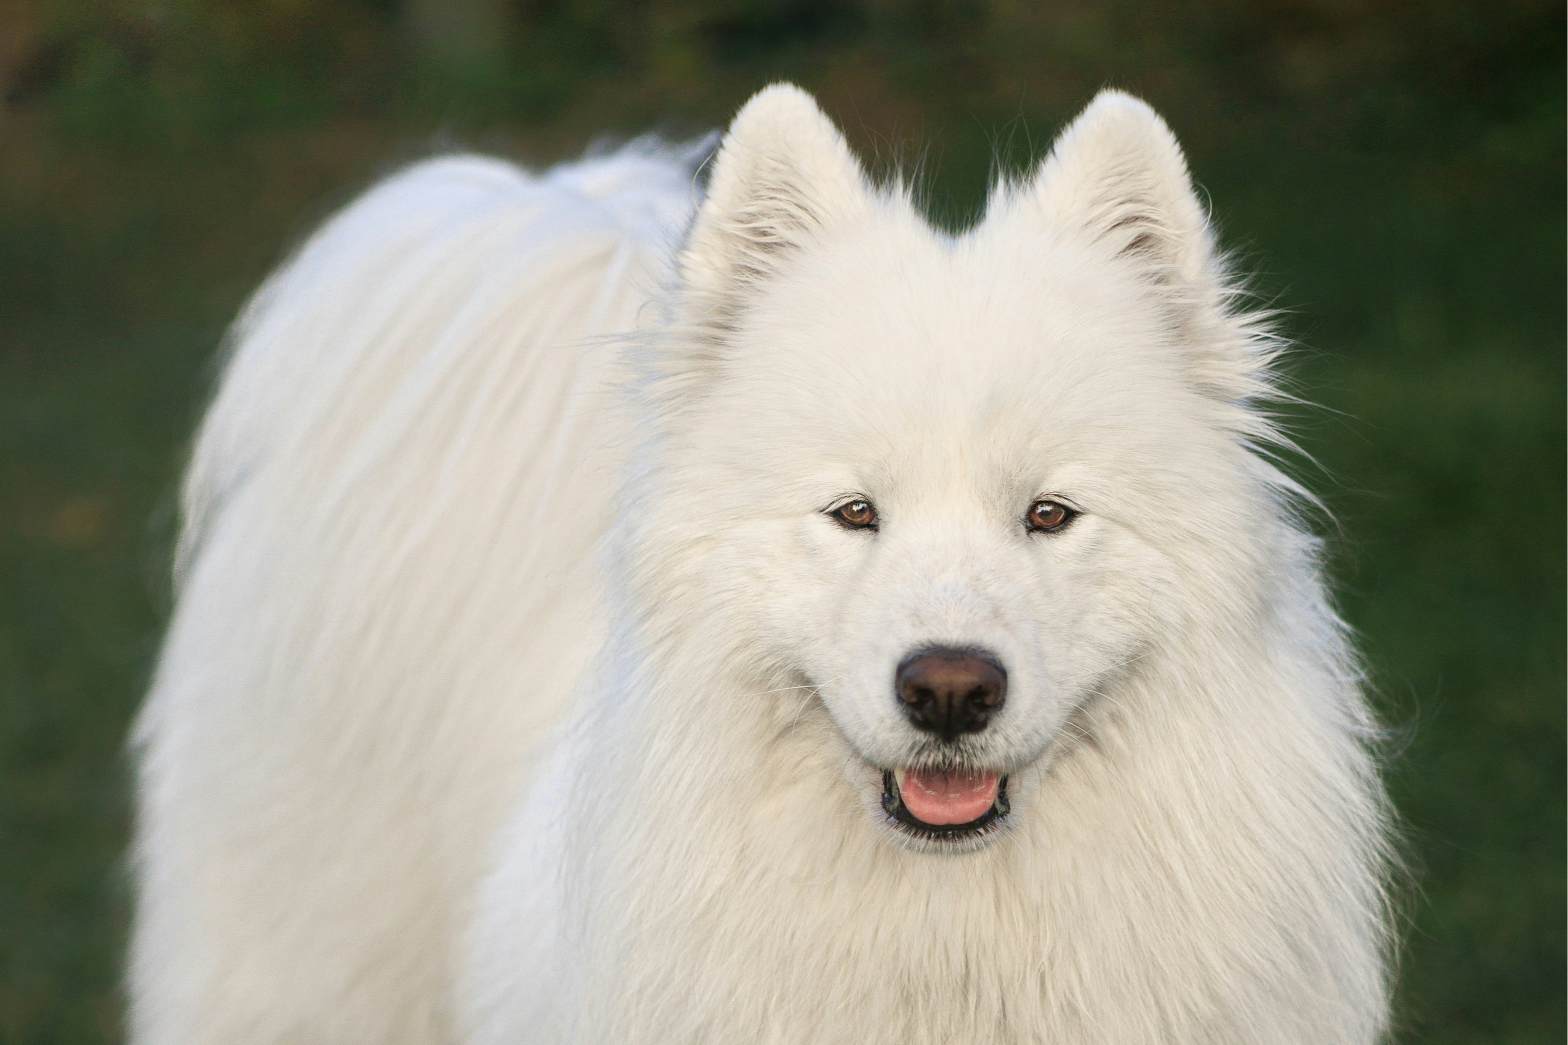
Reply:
x=954, y=485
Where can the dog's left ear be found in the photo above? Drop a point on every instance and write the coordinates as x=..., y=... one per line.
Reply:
x=1117, y=173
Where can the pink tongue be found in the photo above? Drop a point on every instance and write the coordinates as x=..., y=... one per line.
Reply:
x=947, y=798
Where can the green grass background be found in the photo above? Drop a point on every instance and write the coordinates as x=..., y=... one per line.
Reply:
x=1394, y=173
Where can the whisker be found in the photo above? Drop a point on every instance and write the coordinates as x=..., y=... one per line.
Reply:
x=786, y=689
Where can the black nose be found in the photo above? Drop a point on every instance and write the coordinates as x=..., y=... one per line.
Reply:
x=950, y=691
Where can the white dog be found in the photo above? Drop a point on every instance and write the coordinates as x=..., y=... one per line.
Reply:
x=613, y=615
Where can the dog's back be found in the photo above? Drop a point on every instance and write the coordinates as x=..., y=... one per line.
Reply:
x=414, y=428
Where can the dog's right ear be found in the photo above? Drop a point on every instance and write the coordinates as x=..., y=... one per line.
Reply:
x=783, y=175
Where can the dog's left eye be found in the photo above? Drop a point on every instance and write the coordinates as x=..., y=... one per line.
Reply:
x=1047, y=516
x=859, y=514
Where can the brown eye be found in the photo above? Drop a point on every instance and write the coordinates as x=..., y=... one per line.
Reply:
x=1048, y=516
x=856, y=515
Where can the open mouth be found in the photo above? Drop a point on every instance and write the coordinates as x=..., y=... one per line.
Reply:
x=944, y=805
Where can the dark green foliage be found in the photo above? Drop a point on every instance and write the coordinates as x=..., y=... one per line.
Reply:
x=1393, y=171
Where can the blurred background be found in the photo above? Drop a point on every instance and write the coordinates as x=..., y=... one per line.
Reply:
x=1394, y=173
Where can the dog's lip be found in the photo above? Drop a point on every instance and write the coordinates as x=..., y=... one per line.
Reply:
x=893, y=805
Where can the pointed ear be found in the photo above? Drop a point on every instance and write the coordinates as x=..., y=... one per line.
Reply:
x=1117, y=173
x=783, y=175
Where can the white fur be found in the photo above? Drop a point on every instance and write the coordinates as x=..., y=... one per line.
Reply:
x=391, y=599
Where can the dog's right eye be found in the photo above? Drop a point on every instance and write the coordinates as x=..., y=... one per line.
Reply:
x=859, y=514
x=1049, y=516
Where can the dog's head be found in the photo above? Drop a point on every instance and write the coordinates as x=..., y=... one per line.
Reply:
x=957, y=485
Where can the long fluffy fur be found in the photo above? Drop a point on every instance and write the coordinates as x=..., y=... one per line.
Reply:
x=388, y=584
x=394, y=620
